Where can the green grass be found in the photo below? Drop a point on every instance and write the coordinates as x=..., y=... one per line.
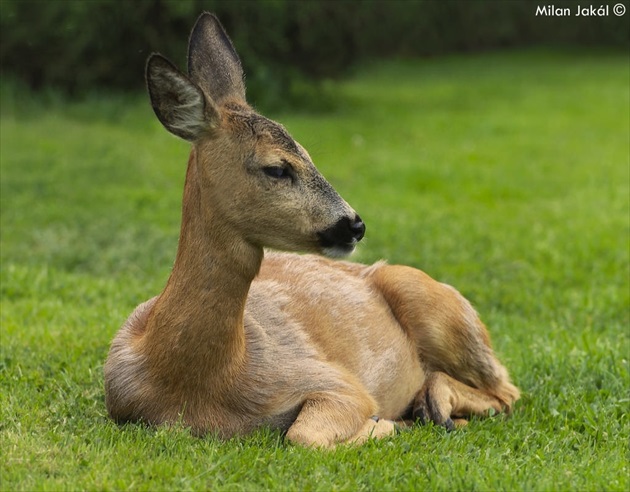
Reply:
x=506, y=175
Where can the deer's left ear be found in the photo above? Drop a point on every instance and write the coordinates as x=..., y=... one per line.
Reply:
x=180, y=105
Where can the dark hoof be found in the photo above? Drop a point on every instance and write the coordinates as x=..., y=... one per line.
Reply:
x=449, y=424
x=426, y=409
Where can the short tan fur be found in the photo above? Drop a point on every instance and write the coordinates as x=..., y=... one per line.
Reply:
x=241, y=337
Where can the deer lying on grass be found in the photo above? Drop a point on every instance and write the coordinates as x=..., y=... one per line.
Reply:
x=309, y=345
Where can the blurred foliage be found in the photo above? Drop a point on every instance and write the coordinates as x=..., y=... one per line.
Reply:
x=287, y=47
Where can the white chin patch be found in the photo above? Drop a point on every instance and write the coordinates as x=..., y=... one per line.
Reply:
x=339, y=251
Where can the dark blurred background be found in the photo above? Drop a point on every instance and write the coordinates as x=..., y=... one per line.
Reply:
x=287, y=47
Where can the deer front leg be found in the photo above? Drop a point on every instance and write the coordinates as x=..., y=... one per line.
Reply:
x=327, y=419
x=444, y=400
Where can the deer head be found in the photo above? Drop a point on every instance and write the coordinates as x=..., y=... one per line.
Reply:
x=254, y=177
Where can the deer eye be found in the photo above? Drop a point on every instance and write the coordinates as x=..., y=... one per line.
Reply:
x=278, y=172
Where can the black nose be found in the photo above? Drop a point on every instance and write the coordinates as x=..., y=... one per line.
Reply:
x=358, y=228
x=344, y=234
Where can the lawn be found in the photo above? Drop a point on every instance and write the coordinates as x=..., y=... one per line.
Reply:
x=505, y=175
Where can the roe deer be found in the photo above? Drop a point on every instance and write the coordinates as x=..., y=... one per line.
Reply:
x=312, y=346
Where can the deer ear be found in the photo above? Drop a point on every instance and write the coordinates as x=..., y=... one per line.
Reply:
x=213, y=63
x=179, y=104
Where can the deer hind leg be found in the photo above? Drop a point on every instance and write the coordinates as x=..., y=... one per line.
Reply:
x=446, y=401
x=452, y=343
x=331, y=418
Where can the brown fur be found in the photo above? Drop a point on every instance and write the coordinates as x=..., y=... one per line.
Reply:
x=309, y=345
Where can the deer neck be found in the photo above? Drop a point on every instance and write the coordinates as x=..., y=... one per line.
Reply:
x=197, y=323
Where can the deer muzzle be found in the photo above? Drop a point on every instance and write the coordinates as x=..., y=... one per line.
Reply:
x=341, y=238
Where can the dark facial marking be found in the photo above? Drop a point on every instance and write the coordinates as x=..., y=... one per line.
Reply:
x=262, y=127
x=323, y=187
